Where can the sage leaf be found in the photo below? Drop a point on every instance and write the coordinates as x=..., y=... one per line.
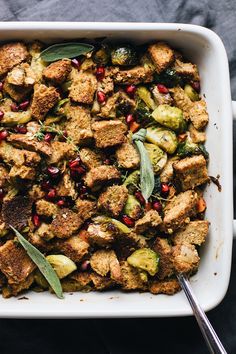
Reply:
x=65, y=50
x=147, y=181
x=43, y=265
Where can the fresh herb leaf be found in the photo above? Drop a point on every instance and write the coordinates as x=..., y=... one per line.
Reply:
x=43, y=265
x=146, y=170
x=65, y=50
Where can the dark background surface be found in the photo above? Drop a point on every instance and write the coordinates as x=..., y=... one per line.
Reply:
x=172, y=336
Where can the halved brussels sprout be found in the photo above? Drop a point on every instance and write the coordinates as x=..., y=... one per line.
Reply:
x=169, y=78
x=132, y=181
x=157, y=156
x=102, y=55
x=145, y=95
x=170, y=117
x=145, y=259
x=13, y=118
x=40, y=280
x=191, y=93
x=132, y=207
x=61, y=264
x=124, y=55
x=164, y=138
x=59, y=109
x=188, y=148
x=107, y=220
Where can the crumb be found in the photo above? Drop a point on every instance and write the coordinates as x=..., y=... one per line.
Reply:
x=81, y=300
x=23, y=298
x=216, y=181
x=215, y=273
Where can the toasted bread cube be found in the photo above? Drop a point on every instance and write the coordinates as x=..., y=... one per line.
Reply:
x=101, y=283
x=90, y=158
x=44, y=99
x=97, y=176
x=179, y=210
x=45, y=208
x=83, y=88
x=194, y=233
x=14, y=262
x=61, y=151
x=191, y=172
x=182, y=101
x=185, y=258
x=197, y=136
x=113, y=200
x=108, y=110
x=149, y=221
x=25, y=141
x=12, y=54
x=127, y=243
x=131, y=278
x=66, y=187
x=18, y=157
x=162, y=247
x=167, y=286
x=58, y=71
x=86, y=208
x=22, y=172
x=16, y=288
x=133, y=76
x=109, y=133
x=186, y=69
x=127, y=156
x=73, y=247
x=198, y=114
x=105, y=261
x=162, y=55
x=78, y=125
x=66, y=223
x=100, y=234
x=167, y=173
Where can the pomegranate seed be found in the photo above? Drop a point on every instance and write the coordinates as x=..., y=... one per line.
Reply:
x=80, y=170
x=14, y=107
x=101, y=97
x=129, y=118
x=100, y=73
x=164, y=188
x=53, y=171
x=1, y=115
x=65, y=134
x=148, y=206
x=21, y=129
x=36, y=220
x=61, y=203
x=22, y=106
x=130, y=90
x=196, y=85
x=83, y=190
x=52, y=193
x=140, y=197
x=1, y=86
x=48, y=137
x=1, y=193
x=162, y=88
x=46, y=185
x=84, y=266
x=157, y=206
x=128, y=221
x=75, y=163
x=75, y=63
x=107, y=162
x=3, y=134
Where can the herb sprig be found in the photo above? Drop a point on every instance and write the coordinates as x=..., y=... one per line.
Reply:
x=65, y=50
x=146, y=171
x=41, y=262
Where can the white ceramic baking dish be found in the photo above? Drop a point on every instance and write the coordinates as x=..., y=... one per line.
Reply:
x=210, y=284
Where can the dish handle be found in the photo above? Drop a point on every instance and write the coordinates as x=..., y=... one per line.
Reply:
x=234, y=117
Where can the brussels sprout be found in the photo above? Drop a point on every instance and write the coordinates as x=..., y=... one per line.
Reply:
x=145, y=259
x=124, y=55
x=132, y=181
x=164, y=138
x=145, y=95
x=191, y=93
x=13, y=118
x=188, y=148
x=157, y=156
x=102, y=55
x=169, y=78
x=133, y=208
x=40, y=280
x=66, y=85
x=107, y=220
x=59, y=109
x=170, y=117
x=61, y=264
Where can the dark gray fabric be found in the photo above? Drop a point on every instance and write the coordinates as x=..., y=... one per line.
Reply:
x=170, y=336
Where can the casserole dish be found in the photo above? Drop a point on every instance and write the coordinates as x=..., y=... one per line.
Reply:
x=210, y=284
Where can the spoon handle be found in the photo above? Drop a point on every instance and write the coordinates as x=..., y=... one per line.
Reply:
x=214, y=344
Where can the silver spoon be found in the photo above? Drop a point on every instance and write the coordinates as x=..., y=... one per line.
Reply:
x=214, y=344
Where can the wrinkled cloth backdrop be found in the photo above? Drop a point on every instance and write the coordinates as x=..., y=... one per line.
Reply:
x=126, y=336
